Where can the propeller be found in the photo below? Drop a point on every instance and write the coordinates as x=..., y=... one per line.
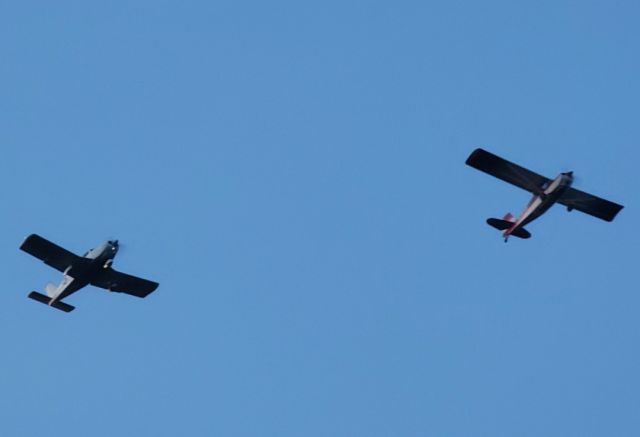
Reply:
x=121, y=247
x=572, y=174
x=569, y=165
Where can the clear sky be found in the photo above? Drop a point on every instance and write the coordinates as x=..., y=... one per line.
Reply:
x=292, y=173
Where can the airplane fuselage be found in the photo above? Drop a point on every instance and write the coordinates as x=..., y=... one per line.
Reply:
x=542, y=201
x=80, y=275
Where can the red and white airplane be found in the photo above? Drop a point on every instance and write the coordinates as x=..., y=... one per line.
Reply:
x=545, y=191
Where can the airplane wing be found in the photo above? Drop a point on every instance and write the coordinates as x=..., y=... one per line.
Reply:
x=52, y=254
x=507, y=171
x=590, y=204
x=114, y=280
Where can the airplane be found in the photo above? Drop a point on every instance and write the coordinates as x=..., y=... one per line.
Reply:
x=546, y=192
x=93, y=268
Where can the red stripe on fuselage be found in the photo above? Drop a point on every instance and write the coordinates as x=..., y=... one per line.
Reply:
x=540, y=203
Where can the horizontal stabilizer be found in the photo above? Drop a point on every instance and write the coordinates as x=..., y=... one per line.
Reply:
x=47, y=301
x=499, y=224
x=521, y=233
x=506, y=224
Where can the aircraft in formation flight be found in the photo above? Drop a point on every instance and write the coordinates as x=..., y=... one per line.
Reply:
x=93, y=268
x=546, y=192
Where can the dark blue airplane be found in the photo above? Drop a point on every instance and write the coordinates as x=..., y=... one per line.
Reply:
x=93, y=268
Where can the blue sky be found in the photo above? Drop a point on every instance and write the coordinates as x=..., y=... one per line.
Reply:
x=292, y=173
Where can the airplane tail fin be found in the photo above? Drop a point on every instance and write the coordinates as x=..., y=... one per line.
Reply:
x=47, y=301
x=51, y=289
